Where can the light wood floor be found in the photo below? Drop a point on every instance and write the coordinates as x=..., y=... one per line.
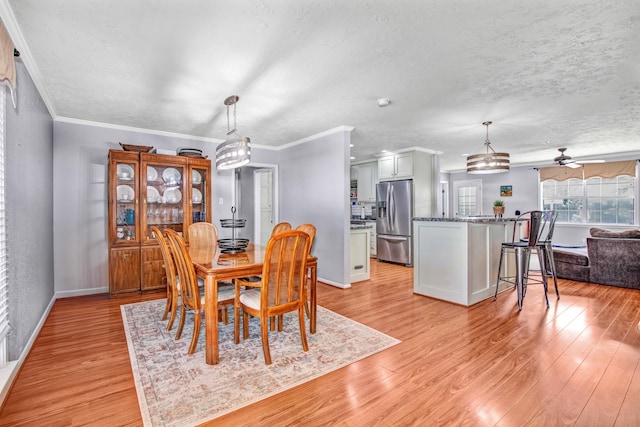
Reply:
x=576, y=363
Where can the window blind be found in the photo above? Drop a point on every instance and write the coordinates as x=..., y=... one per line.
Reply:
x=4, y=291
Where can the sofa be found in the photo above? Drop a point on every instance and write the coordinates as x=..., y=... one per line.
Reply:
x=610, y=258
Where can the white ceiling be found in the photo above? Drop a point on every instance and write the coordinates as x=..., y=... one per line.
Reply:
x=548, y=74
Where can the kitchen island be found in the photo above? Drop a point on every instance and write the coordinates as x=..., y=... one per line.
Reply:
x=456, y=259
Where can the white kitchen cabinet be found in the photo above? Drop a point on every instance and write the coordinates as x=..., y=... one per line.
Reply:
x=396, y=166
x=359, y=267
x=371, y=226
x=367, y=179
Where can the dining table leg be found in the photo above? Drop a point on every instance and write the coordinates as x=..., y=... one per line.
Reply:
x=211, y=319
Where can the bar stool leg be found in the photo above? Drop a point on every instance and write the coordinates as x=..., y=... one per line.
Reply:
x=520, y=260
x=499, y=272
x=552, y=266
x=543, y=270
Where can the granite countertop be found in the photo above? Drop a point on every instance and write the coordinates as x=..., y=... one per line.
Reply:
x=475, y=219
x=359, y=227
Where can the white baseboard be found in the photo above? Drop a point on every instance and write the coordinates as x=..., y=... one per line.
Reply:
x=332, y=283
x=82, y=292
x=9, y=372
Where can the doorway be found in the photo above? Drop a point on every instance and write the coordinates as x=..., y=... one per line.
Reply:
x=265, y=205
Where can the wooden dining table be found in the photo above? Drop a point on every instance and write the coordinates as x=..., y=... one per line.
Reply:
x=214, y=266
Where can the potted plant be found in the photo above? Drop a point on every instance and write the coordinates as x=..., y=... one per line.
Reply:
x=498, y=207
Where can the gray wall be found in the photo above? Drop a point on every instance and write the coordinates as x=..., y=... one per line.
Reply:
x=314, y=188
x=523, y=180
x=29, y=204
x=80, y=195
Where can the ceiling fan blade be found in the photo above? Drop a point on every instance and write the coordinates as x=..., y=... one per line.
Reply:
x=582, y=162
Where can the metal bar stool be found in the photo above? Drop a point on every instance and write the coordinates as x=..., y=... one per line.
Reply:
x=537, y=222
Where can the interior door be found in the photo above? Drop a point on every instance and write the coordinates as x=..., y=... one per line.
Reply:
x=264, y=204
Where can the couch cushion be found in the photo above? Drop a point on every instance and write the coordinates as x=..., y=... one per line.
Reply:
x=576, y=256
x=627, y=234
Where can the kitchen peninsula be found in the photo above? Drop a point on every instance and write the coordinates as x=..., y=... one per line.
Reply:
x=456, y=259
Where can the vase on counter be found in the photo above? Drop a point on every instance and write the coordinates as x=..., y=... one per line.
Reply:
x=498, y=211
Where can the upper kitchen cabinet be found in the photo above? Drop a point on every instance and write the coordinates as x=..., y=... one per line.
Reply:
x=396, y=166
x=367, y=179
x=420, y=166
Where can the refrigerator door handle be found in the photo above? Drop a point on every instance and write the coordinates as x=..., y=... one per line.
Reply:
x=388, y=219
x=394, y=239
x=392, y=208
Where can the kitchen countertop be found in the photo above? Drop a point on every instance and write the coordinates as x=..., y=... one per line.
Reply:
x=475, y=219
x=361, y=224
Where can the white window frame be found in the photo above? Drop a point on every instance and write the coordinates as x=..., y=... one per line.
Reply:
x=583, y=221
x=476, y=184
x=4, y=286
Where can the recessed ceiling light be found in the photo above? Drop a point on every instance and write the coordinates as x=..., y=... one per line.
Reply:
x=350, y=145
x=383, y=102
x=384, y=151
x=353, y=158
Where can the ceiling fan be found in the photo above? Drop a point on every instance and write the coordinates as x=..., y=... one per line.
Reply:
x=565, y=160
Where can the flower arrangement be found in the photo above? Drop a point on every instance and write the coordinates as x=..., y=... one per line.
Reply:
x=498, y=207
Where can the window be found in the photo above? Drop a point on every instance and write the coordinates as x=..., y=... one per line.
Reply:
x=4, y=297
x=592, y=199
x=467, y=200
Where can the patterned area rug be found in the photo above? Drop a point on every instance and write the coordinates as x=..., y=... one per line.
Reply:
x=176, y=389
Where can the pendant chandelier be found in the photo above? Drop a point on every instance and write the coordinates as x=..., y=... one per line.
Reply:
x=236, y=150
x=489, y=161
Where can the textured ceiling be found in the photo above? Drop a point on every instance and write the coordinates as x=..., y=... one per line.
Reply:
x=548, y=74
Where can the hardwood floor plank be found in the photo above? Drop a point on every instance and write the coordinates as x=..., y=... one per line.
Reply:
x=577, y=362
x=606, y=401
x=557, y=398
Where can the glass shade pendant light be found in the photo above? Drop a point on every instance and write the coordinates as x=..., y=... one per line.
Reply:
x=489, y=161
x=236, y=150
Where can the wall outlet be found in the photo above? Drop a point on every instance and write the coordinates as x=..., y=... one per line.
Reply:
x=221, y=201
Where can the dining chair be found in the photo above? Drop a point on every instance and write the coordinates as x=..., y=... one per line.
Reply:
x=192, y=295
x=281, y=289
x=278, y=228
x=173, y=289
x=202, y=234
x=310, y=229
x=536, y=223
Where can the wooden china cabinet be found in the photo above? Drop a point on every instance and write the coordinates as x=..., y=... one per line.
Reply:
x=144, y=190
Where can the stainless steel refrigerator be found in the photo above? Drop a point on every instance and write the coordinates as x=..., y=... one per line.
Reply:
x=394, y=206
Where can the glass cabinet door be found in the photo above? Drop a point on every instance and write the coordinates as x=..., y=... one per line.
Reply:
x=199, y=197
x=126, y=201
x=163, y=206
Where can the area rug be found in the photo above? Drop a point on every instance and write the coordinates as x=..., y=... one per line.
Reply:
x=176, y=389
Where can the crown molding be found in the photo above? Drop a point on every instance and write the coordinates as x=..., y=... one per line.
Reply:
x=338, y=129
x=10, y=23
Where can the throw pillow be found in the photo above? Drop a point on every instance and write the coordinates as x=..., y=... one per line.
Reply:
x=627, y=234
